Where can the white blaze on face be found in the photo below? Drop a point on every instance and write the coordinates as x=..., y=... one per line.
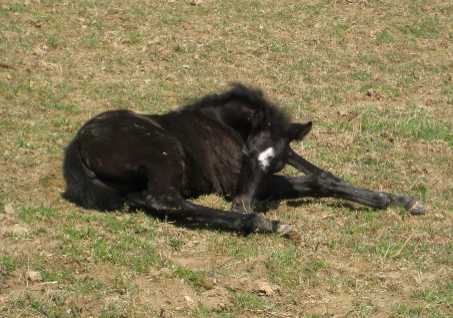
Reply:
x=265, y=157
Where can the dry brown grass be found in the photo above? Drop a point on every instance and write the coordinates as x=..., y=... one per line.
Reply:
x=375, y=76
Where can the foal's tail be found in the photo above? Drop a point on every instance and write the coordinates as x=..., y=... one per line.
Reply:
x=83, y=187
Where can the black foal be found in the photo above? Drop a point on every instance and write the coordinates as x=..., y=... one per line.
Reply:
x=231, y=144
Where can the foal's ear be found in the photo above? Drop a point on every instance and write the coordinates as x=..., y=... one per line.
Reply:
x=298, y=131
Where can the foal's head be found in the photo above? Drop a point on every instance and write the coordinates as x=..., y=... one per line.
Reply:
x=265, y=129
x=269, y=140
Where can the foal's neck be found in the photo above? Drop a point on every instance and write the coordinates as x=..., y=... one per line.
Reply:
x=236, y=115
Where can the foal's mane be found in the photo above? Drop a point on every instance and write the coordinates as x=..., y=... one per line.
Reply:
x=240, y=93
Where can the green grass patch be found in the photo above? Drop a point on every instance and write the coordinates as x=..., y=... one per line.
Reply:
x=39, y=214
x=88, y=285
x=285, y=267
x=361, y=76
x=204, y=312
x=15, y=7
x=417, y=311
x=245, y=300
x=110, y=239
x=128, y=251
x=314, y=266
x=242, y=249
x=85, y=233
x=415, y=124
x=113, y=310
x=364, y=309
x=385, y=37
x=52, y=306
x=441, y=295
x=61, y=106
x=175, y=243
x=428, y=28
x=196, y=278
x=7, y=264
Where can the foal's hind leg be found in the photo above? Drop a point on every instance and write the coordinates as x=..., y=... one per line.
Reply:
x=320, y=183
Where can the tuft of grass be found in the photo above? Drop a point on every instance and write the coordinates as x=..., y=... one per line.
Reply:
x=87, y=285
x=364, y=309
x=196, y=278
x=204, y=312
x=279, y=47
x=241, y=249
x=61, y=106
x=285, y=267
x=175, y=243
x=51, y=306
x=85, y=233
x=428, y=28
x=54, y=42
x=114, y=310
x=32, y=214
x=14, y=7
x=385, y=37
x=361, y=76
x=7, y=264
x=134, y=38
x=127, y=251
x=441, y=295
x=417, y=311
x=314, y=266
x=249, y=301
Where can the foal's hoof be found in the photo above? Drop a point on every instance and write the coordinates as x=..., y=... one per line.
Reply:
x=415, y=207
x=290, y=232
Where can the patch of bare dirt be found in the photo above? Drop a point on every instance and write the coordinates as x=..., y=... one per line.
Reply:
x=174, y=296
x=10, y=226
x=198, y=262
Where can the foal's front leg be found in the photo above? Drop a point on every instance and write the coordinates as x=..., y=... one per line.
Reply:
x=249, y=181
x=320, y=183
x=174, y=208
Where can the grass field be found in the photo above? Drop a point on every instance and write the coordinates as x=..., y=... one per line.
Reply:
x=376, y=77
